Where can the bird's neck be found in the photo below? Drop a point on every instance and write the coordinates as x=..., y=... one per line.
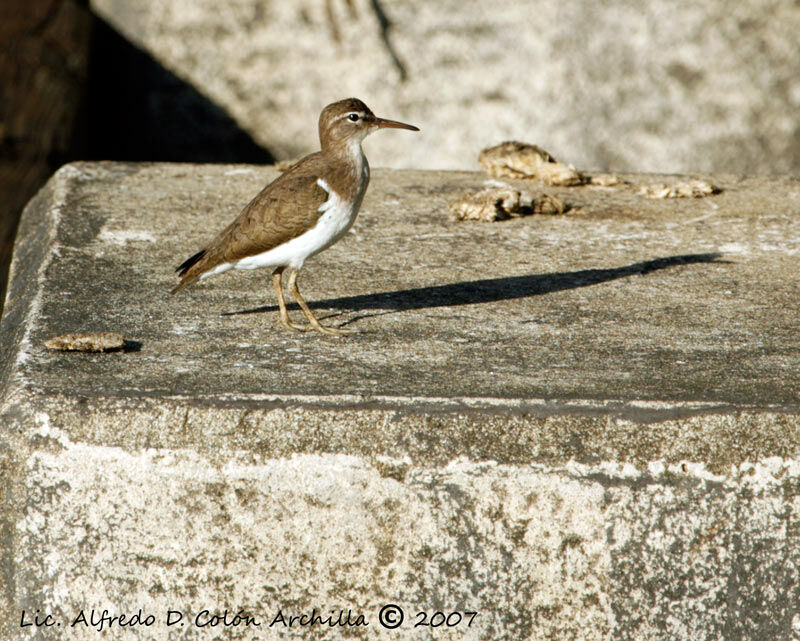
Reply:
x=348, y=169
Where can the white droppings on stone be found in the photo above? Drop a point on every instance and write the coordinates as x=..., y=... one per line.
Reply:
x=125, y=236
x=734, y=248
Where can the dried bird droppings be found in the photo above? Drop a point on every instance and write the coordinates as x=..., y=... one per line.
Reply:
x=494, y=204
x=513, y=159
x=688, y=189
x=548, y=204
x=488, y=205
x=88, y=342
x=606, y=180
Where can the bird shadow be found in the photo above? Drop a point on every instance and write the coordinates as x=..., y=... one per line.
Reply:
x=491, y=289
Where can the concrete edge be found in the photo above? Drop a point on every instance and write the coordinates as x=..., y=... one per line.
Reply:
x=419, y=438
x=36, y=235
x=34, y=250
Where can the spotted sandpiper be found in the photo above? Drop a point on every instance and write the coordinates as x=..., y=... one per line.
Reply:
x=303, y=211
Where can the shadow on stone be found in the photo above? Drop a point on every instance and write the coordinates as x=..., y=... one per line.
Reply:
x=138, y=110
x=493, y=289
x=131, y=346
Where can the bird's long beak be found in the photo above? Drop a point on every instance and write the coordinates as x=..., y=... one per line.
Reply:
x=393, y=124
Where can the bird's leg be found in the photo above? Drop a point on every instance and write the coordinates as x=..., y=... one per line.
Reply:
x=284, y=315
x=315, y=324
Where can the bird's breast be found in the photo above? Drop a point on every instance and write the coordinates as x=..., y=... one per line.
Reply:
x=338, y=214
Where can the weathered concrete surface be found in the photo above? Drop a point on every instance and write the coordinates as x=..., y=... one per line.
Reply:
x=579, y=426
x=650, y=86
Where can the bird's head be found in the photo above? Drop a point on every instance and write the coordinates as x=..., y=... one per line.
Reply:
x=350, y=120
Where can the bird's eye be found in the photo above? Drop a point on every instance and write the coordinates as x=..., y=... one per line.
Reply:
x=353, y=117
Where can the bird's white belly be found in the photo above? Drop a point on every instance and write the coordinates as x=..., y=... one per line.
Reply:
x=337, y=218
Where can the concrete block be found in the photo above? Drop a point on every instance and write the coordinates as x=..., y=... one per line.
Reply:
x=580, y=426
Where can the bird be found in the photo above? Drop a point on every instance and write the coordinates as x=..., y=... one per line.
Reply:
x=302, y=212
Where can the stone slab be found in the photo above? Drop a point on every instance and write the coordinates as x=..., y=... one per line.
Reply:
x=579, y=426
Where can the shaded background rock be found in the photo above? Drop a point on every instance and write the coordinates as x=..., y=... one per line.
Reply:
x=659, y=86
x=43, y=70
x=72, y=87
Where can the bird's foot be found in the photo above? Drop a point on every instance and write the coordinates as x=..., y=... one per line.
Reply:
x=333, y=331
x=288, y=324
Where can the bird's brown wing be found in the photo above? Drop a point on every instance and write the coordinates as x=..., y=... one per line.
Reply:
x=273, y=217
x=283, y=210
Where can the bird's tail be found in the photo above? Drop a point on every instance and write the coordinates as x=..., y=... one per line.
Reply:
x=183, y=270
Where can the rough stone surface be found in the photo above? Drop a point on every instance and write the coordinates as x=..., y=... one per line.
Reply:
x=657, y=86
x=581, y=426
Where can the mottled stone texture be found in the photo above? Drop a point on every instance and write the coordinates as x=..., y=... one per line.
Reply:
x=575, y=552
x=639, y=86
x=581, y=426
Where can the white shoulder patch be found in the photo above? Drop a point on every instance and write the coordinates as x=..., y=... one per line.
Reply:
x=331, y=195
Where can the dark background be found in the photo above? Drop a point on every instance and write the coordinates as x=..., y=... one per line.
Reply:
x=72, y=88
